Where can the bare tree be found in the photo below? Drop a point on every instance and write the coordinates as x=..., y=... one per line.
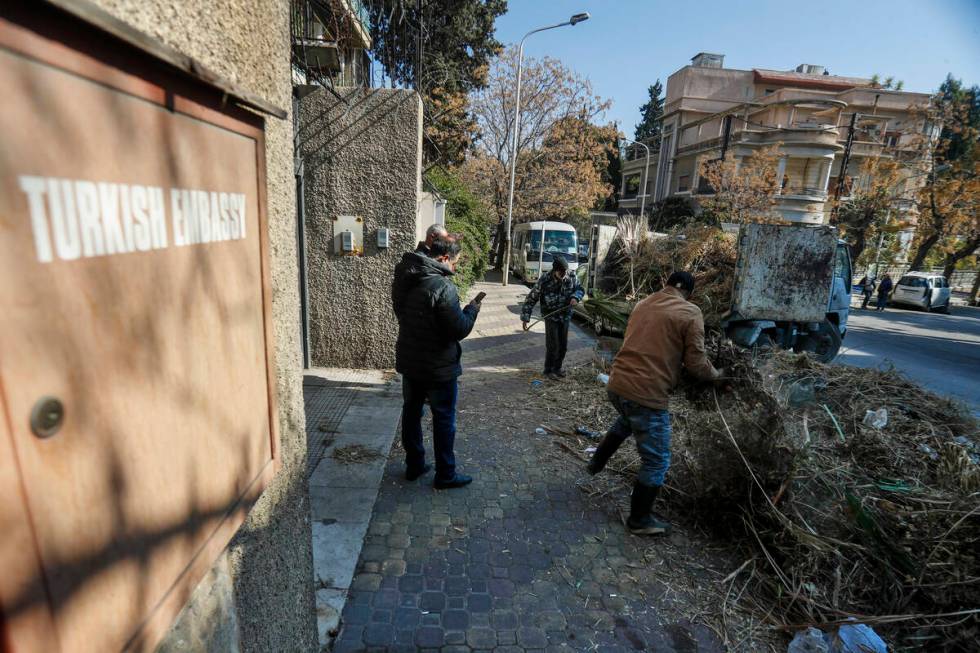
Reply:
x=561, y=151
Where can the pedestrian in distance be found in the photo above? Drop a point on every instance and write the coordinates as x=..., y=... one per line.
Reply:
x=867, y=289
x=434, y=231
x=558, y=291
x=427, y=355
x=884, y=289
x=664, y=334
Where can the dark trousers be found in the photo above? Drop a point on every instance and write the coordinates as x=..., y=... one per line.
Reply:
x=441, y=396
x=556, y=344
x=867, y=298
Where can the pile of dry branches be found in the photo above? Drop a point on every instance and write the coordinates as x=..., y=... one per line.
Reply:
x=639, y=264
x=837, y=518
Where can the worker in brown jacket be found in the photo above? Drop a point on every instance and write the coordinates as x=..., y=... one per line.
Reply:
x=665, y=332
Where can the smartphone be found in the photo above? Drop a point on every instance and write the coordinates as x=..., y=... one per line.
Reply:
x=479, y=297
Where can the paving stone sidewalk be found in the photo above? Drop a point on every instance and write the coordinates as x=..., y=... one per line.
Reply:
x=520, y=560
x=344, y=409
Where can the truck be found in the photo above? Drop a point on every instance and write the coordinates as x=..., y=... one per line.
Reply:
x=791, y=288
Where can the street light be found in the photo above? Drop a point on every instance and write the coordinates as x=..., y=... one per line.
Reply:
x=574, y=20
x=646, y=172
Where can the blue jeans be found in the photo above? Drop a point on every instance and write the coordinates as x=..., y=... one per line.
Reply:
x=441, y=396
x=651, y=428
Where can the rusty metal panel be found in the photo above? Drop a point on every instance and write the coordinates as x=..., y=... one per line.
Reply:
x=784, y=272
x=134, y=281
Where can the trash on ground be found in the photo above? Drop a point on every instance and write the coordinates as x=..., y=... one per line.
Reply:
x=811, y=640
x=355, y=453
x=929, y=451
x=592, y=435
x=857, y=638
x=540, y=431
x=840, y=517
x=603, y=378
x=876, y=419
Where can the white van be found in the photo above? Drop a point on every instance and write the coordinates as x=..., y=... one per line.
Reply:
x=528, y=259
x=927, y=290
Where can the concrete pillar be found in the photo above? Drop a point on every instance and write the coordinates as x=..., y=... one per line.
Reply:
x=780, y=173
x=828, y=162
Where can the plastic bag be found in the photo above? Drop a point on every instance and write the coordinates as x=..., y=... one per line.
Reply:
x=876, y=419
x=857, y=638
x=810, y=640
x=603, y=379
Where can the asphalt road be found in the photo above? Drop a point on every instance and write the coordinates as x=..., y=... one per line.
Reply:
x=940, y=352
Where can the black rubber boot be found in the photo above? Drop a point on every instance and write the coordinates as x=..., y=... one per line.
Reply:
x=609, y=445
x=641, y=521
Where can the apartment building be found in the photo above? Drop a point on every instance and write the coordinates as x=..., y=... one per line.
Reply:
x=711, y=110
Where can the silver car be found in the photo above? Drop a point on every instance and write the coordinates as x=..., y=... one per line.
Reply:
x=926, y=290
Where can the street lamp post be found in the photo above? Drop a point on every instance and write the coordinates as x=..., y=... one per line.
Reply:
x=646, y=172
x=574, y=20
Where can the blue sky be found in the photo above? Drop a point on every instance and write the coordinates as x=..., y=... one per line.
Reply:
x=627, y=44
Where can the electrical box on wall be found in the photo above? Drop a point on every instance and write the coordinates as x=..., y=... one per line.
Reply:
x=383, y=239
x=348, y=235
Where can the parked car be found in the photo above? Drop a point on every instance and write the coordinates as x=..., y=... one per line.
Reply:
x=926, y=290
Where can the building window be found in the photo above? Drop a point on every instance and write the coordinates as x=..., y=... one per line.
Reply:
x=683, y=183
x=769, y=91
x=631, y=186
x=704, y=188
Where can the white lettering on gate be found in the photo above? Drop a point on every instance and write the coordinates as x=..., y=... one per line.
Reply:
x=67, y=241
x=73, y=219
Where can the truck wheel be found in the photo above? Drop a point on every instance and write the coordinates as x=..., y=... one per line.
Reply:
x=823, y=344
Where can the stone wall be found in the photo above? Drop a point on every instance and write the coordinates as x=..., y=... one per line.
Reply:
x=262, y=582
x=361, y=157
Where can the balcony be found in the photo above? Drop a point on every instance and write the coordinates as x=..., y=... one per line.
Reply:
x=800, y=134
x=330, y=38
x=805, y=194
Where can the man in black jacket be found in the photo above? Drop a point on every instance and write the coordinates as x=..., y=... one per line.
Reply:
x=430, y=326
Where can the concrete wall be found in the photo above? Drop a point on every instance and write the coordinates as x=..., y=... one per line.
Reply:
x=362, y=157
x=259, y=596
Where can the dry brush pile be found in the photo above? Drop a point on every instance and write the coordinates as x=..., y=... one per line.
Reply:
x=637, y=266
x=837, y=518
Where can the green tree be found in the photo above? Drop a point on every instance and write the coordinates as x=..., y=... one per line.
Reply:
x=652, y=114
x=674, y=211
x=457, y=44
x=469, y=217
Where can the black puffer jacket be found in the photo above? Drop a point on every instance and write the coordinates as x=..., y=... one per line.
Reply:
x=430, y=321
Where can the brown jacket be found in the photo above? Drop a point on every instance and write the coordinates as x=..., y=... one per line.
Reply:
x=664, y=332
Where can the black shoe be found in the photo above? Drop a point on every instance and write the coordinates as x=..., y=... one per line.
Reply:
x=459, y=480
x=415, y=474
x=561, y=373
x=553, y=376
x=640, y=521
x=609, y=445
